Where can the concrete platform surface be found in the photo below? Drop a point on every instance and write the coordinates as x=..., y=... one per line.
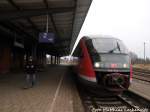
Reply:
x=141, y=88
x=54, y=92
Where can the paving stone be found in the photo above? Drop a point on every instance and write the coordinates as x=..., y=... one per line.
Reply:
x=40, y=98
x=141, y=88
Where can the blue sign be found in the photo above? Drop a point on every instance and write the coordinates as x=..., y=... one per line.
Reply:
x=46, y=37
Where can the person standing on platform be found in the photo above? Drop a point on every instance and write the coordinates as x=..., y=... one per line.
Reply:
x=30, y=69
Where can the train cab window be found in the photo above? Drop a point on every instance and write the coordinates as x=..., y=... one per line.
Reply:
x=80, y=53
x=92, y=51
x=90, y=46
x=109, y=45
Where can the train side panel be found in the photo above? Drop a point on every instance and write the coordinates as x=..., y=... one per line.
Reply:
x=86, y=70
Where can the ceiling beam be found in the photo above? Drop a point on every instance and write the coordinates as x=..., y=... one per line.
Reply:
x=28, y=19
x=10, y=15
x=17, y=29
x=54, y=25
x=46, y=3
x=63, y=40
x=74, y=12
x=61, y=44
x=33, y=25
x=13, y=4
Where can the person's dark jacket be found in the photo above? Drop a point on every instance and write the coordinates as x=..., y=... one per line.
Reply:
x=30, y=68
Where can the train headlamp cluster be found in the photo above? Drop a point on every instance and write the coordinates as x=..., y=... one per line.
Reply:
x=96, y=64
x=107, y=65
x=125, y=65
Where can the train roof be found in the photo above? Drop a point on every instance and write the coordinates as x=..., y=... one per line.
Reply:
x=100, y=37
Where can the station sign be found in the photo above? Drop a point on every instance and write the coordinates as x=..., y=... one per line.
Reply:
x=46, y=37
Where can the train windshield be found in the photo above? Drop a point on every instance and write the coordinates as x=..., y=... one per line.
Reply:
x=109, y=45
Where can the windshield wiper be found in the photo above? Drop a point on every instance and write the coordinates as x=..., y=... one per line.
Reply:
x=117, y=47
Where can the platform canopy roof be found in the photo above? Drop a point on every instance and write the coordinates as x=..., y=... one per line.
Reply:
x=29, y=17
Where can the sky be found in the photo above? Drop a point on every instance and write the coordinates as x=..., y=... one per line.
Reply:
x=128, y=20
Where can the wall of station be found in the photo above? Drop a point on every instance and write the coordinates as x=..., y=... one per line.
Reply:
x=5, y=59
x=14, y=58
x=11, y=58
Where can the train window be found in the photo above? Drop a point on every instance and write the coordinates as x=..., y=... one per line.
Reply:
x=109, y=45
x=90, y=46
x=92, y=51
x=80, y=53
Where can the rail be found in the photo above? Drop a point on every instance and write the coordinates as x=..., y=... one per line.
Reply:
x=142, y=75
x=125, y=102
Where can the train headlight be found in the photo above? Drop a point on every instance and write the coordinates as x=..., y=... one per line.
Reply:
x=96, y=64
x=125, y=65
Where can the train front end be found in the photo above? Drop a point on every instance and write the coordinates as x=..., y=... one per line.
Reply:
x=111, y=63
x=113, y=75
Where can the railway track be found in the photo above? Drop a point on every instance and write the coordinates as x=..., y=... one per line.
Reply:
x=126, y=102
x=141, y=70
x=142, y=75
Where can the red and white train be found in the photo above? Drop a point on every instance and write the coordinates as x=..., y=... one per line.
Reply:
x=104, y=63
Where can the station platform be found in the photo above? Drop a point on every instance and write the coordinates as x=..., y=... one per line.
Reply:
x=141, y=88
x=55, y=91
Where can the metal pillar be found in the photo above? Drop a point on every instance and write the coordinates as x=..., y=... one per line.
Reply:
x=58, y=60
x=34, y=52
x=144, y=54
x=51, y=59
x=55, y=60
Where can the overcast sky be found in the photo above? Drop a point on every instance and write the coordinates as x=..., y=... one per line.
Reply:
x=128, y=20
